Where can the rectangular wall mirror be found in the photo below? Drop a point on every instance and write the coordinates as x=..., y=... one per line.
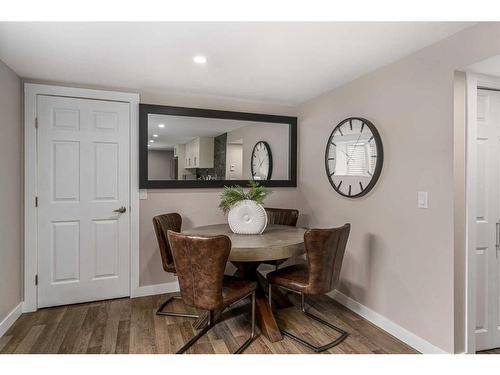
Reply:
x=199, y=148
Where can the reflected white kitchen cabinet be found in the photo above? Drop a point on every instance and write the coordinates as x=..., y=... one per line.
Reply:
x=200, y=153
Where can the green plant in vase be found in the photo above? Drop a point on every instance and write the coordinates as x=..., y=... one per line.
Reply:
x=246, y=215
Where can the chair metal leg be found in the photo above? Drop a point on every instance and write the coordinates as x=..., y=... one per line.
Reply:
x=317, y=349
x=211, y=323
x=269, y=297
x=168, y=313
x=245, y=345
x=196, y=337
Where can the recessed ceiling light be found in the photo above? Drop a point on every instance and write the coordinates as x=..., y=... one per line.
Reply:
x=199, y=59
x=151, y=141
x=161, y=125
x=155, y=135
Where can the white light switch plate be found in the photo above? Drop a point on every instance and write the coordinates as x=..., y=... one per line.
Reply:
x=422, y=199
x=143, y=194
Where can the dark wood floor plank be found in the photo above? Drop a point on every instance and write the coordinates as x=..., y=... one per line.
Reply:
x=53, y=317
x=71, y=337
x=81, y=343
x=226, y=335
x=142, y=338
x=18, y=331
x=4, y=341
x=97, y=336
x=123, y=337
x=131, y=326
x=29, y=340
x=175, y=338
x=220, y=347
x=110, y=334
x=491, y=351
x=64, y=325
x=161, y=334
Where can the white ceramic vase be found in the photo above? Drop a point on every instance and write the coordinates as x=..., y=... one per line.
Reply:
x=247, y=217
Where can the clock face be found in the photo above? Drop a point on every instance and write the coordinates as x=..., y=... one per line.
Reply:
x=262, y=161
x=353, y=157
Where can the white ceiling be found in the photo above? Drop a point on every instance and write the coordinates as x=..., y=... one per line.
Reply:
x=489, y=66
x=280, y=62
x=180, y=129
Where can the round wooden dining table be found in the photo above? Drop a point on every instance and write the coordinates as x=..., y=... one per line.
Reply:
x=248, y=251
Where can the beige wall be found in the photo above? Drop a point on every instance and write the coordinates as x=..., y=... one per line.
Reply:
x=161, y=165
x=10, y=191
x=400, y=259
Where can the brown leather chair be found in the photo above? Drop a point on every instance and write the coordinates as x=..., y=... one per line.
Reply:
x=162, y=224
x=281, y=216
x=200, y=263
x=325, y=250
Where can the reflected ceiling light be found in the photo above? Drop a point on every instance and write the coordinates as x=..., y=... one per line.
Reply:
x=151, y=141
x=161, y=125
x=155, y=135
x=199, y=59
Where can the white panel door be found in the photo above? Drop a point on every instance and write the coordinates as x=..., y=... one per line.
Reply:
x=83, y=177
x=488, y=220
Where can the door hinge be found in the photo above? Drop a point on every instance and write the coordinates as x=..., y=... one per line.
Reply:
x=36, y=122
x=36, y=201
x=36, y=279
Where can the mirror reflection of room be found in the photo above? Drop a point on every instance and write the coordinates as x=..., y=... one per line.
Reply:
x=192, y=148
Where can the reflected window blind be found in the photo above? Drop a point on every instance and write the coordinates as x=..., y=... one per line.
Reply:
x=357, y=160
x=373, y=152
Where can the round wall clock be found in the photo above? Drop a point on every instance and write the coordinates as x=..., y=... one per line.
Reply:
x=262, y=161
x=354, y=157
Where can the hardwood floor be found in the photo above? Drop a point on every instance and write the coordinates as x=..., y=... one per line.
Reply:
x=491, y=351
x=131, y=326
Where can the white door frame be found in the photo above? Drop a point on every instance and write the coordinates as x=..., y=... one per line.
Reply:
x=30, y=180
x=473, y=82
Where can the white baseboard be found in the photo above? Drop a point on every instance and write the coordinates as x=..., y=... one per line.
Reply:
x=10, y=319
x=151, y=290
x=386, y=324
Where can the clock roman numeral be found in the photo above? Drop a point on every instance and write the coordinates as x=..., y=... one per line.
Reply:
x=349, y=190
x=350, y=124
x=338, y=186
x=340, y=131
x=360, y=185
x=370, y=139
x=333, y=144
x=362, y=127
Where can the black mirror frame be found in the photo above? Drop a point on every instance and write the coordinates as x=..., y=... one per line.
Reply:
x=146, y=109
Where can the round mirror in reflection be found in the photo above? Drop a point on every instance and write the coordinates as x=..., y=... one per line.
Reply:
x=262, y=161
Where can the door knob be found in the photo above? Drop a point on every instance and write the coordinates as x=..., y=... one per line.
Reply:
x=121, y=210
